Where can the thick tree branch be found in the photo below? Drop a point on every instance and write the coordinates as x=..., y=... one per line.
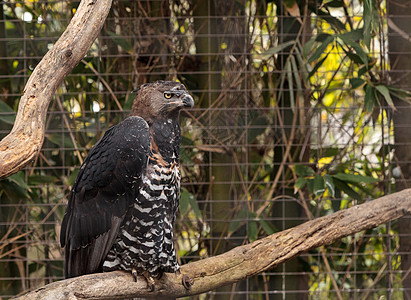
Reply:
x=241, y=262
x=26, y=138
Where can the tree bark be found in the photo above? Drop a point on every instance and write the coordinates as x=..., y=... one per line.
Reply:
x=237, y=264
x=25, y=140
x=399, y=47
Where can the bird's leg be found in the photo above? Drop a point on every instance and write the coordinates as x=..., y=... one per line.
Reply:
x=149, y=279
x=146, y=275
x=134, y=273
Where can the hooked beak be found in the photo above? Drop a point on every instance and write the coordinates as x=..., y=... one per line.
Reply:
x=187, y=101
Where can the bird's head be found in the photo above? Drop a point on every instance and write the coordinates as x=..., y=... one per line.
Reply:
x=161, y=99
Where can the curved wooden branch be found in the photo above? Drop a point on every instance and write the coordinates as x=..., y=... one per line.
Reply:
x=239, y=263
x=25, y=140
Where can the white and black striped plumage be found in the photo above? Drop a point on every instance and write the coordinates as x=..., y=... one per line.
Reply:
x=123, y=204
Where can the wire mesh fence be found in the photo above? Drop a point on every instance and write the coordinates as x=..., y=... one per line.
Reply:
x=292, y=121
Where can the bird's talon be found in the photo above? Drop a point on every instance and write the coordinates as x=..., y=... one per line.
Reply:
x=134, y=273
x=150, y=281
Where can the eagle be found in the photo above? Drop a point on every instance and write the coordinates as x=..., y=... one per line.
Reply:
x=123, y=203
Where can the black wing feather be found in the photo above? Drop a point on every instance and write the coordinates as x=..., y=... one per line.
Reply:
x=101, y=195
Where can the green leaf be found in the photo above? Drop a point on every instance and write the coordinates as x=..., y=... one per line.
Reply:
x=329, y=184
x=252, y=231
x=320, y=50
x=184, y=202
x=346, y=189
x=357, y=47
x=239, y=220
x=122, y=42
x=277, y=49
x=289, y=3
x=57, y=139
x=302, y=65
x=185, y=155
x=299, y=184
x=188, y=200
x=7, y=114
x=328, y=2
x=267, y=226
x=356, y=83
x=194, y=206
x=355, y=178
x=362, y=71
x=401, y=94
x=18, y=178
x=296, y=74
x=307, y=48
x=290, y=85
x=333, y=21
x=303, y=171
x=354, y=35
x=310, y=185
x=41, y=179
x=258, y=126
x=367, y=23
x=370, y=99
x=318, y=185
x=317, y=66
x=72, y=177
x=383, y=90
x=371, y=20
x=355, y=58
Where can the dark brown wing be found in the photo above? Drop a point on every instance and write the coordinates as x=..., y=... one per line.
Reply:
x=101, y=195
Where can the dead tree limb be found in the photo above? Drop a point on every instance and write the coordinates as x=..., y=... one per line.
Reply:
x=26, y=138
x=239, y=263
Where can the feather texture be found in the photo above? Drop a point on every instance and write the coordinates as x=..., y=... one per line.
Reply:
x=123, y=204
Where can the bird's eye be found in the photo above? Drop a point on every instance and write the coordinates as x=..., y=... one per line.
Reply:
x=167, y=95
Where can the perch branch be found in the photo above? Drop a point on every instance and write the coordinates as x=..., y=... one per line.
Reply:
x=26, y=138
x=237, y=264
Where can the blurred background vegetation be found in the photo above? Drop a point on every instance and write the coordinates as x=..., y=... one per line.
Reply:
x=301, y=110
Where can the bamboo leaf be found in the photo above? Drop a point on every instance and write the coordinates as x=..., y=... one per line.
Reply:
x=370, y=100
x=277, y=49
x=383, y=90
x=357, y=47
x=290, y=84
x=296, y=75
x=320, y=50
x=356, y=83
x=308, y=47
x=303, y=66
x=317, y=66
x=354, y=35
